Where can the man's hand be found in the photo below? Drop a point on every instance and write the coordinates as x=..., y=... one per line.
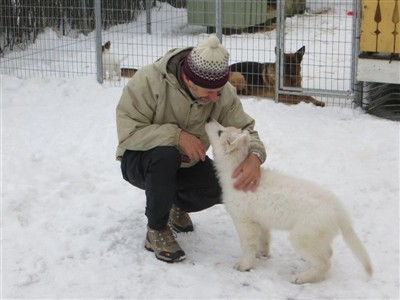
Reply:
x=192, y=146
x=248, y=174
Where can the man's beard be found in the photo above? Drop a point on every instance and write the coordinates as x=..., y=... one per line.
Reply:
x=199, y=100
x=203, y=100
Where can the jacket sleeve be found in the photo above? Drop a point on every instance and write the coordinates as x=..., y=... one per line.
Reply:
x=135, y=112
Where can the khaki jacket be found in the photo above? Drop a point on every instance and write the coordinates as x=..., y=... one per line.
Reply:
x=154, y=108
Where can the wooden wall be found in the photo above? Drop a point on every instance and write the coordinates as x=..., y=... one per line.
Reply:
x=380, y=26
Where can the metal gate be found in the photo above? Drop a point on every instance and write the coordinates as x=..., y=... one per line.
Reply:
x=343, y=72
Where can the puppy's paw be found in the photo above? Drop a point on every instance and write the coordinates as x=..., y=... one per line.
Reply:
x=263, y=255
x=242, y=267
x=306, y=277
x=296, y=279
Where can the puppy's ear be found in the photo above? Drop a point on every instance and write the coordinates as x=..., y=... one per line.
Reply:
x=236, y=141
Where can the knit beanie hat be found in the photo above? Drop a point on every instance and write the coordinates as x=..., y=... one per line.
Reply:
x=207, y=65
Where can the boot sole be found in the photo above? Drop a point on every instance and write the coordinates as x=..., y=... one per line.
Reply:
x=149, y=247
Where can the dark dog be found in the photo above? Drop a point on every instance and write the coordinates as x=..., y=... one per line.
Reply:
x=258, y=79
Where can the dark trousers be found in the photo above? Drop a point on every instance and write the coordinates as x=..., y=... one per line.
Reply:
x=158, y=172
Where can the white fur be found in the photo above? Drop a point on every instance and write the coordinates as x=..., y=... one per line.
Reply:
x=111, y=63
x=312, y=214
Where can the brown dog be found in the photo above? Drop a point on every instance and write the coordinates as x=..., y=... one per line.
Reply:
x=258, y=79
x=239, y=82
x=128, y=72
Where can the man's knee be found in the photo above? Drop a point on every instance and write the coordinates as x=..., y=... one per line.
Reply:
x=136, y=164
x=165, y=158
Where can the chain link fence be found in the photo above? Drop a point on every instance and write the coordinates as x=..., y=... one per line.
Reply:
x=61, y=38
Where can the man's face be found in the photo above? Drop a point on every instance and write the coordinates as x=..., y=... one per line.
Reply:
x=202, y=95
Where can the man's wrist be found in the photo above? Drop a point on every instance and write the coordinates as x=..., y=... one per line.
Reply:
x=259, y=156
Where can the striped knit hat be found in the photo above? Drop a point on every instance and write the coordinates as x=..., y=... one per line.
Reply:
x=207, y=65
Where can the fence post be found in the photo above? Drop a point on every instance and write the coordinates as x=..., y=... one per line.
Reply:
x=218, y=19
x=98, y=41
x=148, y=16
x=355, y=45
x=280, y=45
x=84, y=15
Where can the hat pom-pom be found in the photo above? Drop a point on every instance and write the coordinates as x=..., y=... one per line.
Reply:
x=213, y=42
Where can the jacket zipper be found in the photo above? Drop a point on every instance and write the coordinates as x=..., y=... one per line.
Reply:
x=188, y=115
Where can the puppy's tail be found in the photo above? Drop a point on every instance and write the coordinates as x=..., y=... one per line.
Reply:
x=354, y=243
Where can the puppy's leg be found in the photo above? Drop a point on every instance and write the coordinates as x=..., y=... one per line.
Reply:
x=265, y=237
x=319, y=267
x=118, y=73
x=249, y=233
x=104, y=72
x=316, y=250
x=113, y=72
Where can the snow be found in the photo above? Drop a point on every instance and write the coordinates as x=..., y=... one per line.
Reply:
x=72, y=228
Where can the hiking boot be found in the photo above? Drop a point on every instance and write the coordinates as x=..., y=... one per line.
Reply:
x=179, y=220
x=163, y=244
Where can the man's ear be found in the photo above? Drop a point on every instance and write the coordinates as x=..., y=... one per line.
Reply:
x=184, y=77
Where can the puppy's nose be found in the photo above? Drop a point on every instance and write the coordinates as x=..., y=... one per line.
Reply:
x=209, y=119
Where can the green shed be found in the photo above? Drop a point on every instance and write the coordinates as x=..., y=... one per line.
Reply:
x=238, y=14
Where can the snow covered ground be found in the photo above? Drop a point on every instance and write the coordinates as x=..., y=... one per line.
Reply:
x=73, y=228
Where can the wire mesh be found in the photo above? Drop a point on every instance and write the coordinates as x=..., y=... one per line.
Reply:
x=57, y=38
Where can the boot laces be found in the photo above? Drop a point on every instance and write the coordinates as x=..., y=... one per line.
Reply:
x=166, y=236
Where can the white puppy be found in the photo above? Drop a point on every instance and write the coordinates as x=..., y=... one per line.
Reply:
x=312, y=215
x=111, y=63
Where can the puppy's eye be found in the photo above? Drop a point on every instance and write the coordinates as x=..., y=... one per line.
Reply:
x=219, y=132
